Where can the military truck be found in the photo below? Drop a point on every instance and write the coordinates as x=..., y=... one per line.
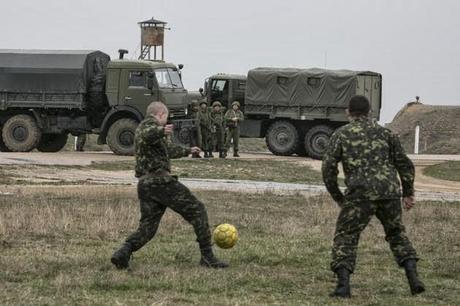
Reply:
x=47, y=95
x=296, y=110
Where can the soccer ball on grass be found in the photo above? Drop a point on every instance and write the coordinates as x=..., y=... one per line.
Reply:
x=225, y=236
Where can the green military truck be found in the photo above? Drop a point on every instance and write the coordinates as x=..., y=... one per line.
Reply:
x=296, y=110
x=47, y=95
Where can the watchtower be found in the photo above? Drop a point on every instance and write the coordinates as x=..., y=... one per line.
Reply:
x=152, y=35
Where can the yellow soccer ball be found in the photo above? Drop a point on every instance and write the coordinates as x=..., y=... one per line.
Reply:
x=225, y=236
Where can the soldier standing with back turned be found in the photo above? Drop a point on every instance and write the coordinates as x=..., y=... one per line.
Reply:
x=372, y=158
x=205, y=129
x=158, y=189
x=233, y=117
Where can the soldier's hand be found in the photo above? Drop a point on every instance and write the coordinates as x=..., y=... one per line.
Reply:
x=409, y=202
x=195, y=150
x=169, y=129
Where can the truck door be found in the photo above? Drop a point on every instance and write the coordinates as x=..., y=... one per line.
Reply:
x=136, y=93
x=220, y=91
x=172, y=91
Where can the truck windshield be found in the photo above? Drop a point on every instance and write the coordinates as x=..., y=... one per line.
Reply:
x=168, y=78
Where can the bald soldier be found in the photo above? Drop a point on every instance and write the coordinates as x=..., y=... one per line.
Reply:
x=157, y=189
x=372, y=158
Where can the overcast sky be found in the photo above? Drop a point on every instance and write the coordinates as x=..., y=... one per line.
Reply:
x=414, y=44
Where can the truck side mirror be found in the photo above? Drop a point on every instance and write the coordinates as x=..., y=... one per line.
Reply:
x=181, y=66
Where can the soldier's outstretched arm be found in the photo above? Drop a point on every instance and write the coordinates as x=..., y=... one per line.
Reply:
x=403, y=165
x=177, y=151
x=152, y=133
x=330, y=170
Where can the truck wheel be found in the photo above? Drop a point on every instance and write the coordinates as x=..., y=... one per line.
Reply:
x=21, y=134
x=3, y=147
x=317, y=140
x=52, y=142
x=120, y=137
x=182, y=136
x=282, y=138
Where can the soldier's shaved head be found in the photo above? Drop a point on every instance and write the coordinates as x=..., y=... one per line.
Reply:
x=155, y=108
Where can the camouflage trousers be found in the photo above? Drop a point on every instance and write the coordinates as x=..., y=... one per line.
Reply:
x=233, y=133
x=353, y=219
x=206, y=139
x=158, y=193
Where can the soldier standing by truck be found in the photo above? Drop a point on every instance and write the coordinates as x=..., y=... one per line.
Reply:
x=233, y=117
x=218, y=128
x=196, y=139
x=372, y=158
x=205, y=129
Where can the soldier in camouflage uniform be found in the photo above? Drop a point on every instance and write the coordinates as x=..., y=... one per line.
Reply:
x=205, y=128
x=158, y=189
x=372, y=158
x=218, y=128
x=196, y=139
x=233, y=117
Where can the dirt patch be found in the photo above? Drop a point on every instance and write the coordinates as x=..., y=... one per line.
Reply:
x=439, y=128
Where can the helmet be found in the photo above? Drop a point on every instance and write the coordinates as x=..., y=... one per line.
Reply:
x=236, y=103
x=203, y=102
x=216, y=103
x=195, y=104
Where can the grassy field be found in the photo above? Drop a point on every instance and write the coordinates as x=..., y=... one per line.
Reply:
x=262, y=170
x=55, y=245
x=445, y=171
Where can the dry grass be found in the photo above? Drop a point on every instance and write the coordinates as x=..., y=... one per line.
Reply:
x=55, y=245
x=445, y=171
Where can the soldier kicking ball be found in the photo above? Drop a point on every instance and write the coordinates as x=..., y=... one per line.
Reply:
x=372, y=158
x=158, y=189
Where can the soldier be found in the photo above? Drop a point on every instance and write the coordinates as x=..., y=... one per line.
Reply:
x=196, y=140
x=372, y=158
x=233, y=117
x=218, y=128
x=205, y=129
x=158, y=189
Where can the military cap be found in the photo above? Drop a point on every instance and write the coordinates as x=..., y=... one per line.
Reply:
x=236, y=103
x=216, y=103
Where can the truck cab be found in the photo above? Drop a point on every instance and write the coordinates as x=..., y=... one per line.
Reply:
x=225, y=88
x=130, y=87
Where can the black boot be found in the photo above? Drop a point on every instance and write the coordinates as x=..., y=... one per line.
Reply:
x=210, y=261
x=210, y=155
x=343, y=284
x=122, y=256
x=235, y=153
x=221, y=154
x=206, y=154
x=416, y=285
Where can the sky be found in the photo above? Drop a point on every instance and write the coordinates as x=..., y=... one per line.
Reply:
x=414, y=44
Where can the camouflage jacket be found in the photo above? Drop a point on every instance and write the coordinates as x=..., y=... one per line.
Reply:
x=153, y=150
x=371, y=157
x=230, y=114
x=217, y=119
x=205, y=120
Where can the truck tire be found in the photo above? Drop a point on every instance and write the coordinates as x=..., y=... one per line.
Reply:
x=21, y=134
x=282, y=138
x=120, y=137
x=317, y=140
x=52, y=142
x=3, y=147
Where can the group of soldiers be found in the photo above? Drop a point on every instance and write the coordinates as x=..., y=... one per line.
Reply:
x=215, y=129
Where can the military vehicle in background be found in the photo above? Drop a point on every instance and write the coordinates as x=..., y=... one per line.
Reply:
x=296, y=110
x=46, y=95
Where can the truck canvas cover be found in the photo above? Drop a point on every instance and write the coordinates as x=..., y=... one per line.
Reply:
x=302, y=87
x=49, y=71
